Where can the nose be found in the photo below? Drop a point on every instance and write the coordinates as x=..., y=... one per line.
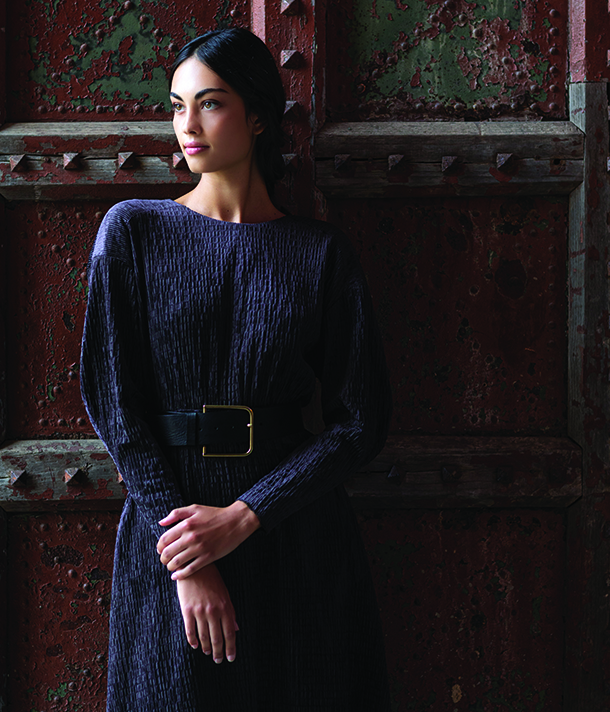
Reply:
x=192, y=124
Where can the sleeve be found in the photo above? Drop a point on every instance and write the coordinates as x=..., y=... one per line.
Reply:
x=356, y=401
x=116, y=375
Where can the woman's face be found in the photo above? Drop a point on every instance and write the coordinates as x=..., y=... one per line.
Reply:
x=210, y=121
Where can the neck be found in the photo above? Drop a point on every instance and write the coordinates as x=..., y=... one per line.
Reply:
x=236, y=197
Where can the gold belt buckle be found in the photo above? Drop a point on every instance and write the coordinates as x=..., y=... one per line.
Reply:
x=250, y=425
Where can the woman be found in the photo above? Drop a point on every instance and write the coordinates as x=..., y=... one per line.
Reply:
x=220, y=299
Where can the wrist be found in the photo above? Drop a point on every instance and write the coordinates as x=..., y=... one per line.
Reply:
x=248, y=521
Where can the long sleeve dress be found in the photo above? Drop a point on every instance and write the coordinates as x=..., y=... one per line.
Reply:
x=184, y=310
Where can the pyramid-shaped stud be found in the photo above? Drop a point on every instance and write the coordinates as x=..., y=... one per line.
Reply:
x=448, y=163
x=504, y=160
x=291, y=110
x=127, y=159
x=18, y=477
x=179, y=162
x=71, y=161
x=290, y=7
x=18, y=163
x=291, y=59
x=396, y=162
x=291, y=161
x=73, y=475
x=342, y=161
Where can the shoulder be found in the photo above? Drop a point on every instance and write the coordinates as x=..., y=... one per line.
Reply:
x=124, y=223
x=321, y=235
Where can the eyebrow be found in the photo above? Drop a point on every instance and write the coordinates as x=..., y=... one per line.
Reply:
x=199, y=94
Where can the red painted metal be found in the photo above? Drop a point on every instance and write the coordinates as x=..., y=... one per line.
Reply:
x=472, y=607
x=470, y=294
x=59, y=598
x=47, y=260
x=447, y=60
x=101, y=61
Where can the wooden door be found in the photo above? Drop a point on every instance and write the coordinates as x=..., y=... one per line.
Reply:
x=443, y=138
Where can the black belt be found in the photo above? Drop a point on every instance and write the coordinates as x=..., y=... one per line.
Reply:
x=228, y=426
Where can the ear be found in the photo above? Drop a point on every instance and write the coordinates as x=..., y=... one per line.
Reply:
x=257, y=125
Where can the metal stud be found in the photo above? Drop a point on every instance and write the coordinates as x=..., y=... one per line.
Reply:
x=179, y=162
x=291, y=109
x=17, y=477
x=342, y=161
x=291, y=59
x=396, y=162
x=396, y=476
x=504, y=160
x=18, y=163
x=71, y=161
x=448, y=163
x=291, y=161
x=73, y=475
x=126, y=159
x=290, y=7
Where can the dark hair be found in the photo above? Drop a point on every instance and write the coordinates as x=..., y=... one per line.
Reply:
x=244, y=62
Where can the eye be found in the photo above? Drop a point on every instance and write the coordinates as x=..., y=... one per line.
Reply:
x=176, y=107
x=209, y=104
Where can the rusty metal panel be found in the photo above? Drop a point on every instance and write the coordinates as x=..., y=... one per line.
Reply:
x=106, y=60
x=59, y=598
x=47, y=253
x=470, y=294
x=472, y=607
x=447, y=59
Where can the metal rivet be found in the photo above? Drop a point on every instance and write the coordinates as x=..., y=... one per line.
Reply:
x=143, y=19
x=554, y=32
x=172, y=47
x=157, y=33
x=553, y=106
x=520, y=74
x=179, y=162
x=71, y=573
x=506, y=60
x=158, y=108
x=56, y=77
x=554, y=13
x=126, y=159
x=69, y=62
x=533, y=107
x=82, y=527
x=71, y=686
x=56, y=390
x=41, y=109
x=87, y=587
x=100, y=526
x=81, y=109
x=86, y=672
x=290, y=7
x=553, y=50
x=553, y=69
x=291, y=109
x=99, y=109
x=291, y=161
x=61, y=422
x=448, y=162
x=396, y=162
x=113, y=19
x=534, y=88
x=70, y=161
x=18, y=163
x=342, y=161
x=127, y=5
x=99, y=215
x=70, y=262
x=118, y=108
x=554, y=88
x=41, y=403
x=503, y=160
x=137, y=108
x=17, y=477
x=99, y=34
x=100, y=601
x=73, y=475
x=81, y=422
x=84, y=48
x=291, y=59
x=72, y=375
x=56, y=249
x=396, y=476
x=43, y=422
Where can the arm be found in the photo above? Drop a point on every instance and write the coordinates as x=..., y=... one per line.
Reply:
x=349, y=361
x=116, y=374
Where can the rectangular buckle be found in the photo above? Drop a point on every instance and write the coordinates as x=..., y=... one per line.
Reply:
x=250, y=425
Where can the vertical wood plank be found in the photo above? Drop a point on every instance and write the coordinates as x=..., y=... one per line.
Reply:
x=587, y=679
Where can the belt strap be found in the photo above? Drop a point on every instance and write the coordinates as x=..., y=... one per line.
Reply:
x=224, y=426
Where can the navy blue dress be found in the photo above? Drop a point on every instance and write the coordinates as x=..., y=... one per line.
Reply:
x=185, y=310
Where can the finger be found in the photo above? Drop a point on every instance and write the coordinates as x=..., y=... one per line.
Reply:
x=190, y=627
x=228, y=629
x=168, y=538
x=176, y=515
x=217, y=640
x=176, y=547
x=188, y=570
x=204, y=635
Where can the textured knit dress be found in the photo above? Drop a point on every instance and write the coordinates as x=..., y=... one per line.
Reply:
x=185, y=310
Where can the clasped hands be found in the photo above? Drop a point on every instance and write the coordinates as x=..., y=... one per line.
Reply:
x=202, y=535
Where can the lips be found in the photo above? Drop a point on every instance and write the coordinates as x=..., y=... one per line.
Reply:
x=192, y=149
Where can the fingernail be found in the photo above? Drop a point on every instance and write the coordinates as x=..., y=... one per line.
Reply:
x=230, y=658
x=217, y=661
x=207, y=652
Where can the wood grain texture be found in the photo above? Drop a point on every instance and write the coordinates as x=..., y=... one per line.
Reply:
x=587, y=679
x=410, y=473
